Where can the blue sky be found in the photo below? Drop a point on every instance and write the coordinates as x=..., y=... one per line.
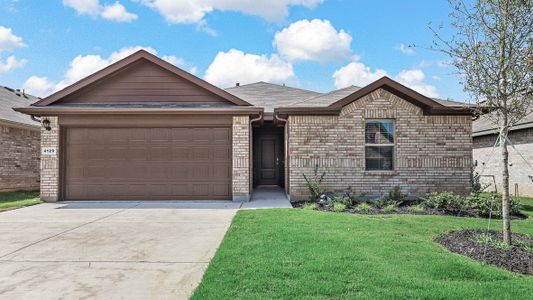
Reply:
x=312, y=44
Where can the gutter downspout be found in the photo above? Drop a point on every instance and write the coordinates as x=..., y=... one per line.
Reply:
x=251, y=153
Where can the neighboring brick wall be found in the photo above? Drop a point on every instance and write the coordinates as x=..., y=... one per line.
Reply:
x=50, y=162
x=488, y=161
x=432, y=153
x=19, y=158
x=241, y=158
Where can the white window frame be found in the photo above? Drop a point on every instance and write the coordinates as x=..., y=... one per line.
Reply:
x=393, y=145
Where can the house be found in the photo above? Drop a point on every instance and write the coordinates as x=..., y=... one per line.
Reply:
x=487, y=156
x=19, y=143
x=145, y=129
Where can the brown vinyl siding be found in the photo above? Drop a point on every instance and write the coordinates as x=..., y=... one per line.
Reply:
x=142, y=82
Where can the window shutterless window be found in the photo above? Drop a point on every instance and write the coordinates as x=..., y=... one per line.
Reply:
x=379, y=145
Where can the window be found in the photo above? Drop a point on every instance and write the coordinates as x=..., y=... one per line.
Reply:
x=379, y=145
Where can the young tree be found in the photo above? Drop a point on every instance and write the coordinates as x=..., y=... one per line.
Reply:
x=492, y=48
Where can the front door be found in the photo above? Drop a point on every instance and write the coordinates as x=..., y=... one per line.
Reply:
x=268, y=155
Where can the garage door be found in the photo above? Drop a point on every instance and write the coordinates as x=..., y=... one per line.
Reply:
x=148, y=163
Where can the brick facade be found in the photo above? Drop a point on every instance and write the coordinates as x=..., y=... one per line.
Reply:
x=432, y=153
x=487, y=162
x=50, y=162
x=241, y=158
x=19, y=158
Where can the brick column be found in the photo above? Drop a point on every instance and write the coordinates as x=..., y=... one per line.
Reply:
x=241, y=158
x=50, y=161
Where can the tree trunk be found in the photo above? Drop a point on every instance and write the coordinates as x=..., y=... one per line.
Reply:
x=505, y=188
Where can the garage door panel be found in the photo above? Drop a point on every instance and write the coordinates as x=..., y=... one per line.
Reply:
x=148, y=163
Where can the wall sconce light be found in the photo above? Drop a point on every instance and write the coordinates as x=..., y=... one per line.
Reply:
x=46, y=125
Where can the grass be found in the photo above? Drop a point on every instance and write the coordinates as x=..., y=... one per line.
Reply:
x=18, y=199
x=302, y=254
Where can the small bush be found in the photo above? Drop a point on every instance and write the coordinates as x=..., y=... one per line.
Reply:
x=341, y=199
x=487, y=202
x=314, y=184
x=337, y=206
x=363, y=207
x=390, y=208
x=447, y=202
x=417, y=209
x=396, y=195
x=382, y=202
x=310, y=206
x=491, y=241
x=524, y=245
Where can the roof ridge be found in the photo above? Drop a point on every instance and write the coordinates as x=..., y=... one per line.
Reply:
x=324, y=94
x=275, y=84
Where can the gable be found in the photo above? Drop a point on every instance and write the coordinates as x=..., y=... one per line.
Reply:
x=141, y=77
x=142, y=81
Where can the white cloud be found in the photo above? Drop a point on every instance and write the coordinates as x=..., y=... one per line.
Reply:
x=83, y=65
x=356, y=73
x=38, y=86
x=9, y=41
x=113, y=12
x=235, y=66
x=312, y=40
x=435, y=77
x=405, y=49
x=117, y=12
x=415, y=79
x=194, y=11
x=11, y=63
x=84, y=7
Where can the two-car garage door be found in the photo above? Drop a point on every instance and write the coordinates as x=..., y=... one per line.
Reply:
x=147, y=163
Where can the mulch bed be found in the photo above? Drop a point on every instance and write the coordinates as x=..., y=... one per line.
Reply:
x=515, y=259
x=403, y=210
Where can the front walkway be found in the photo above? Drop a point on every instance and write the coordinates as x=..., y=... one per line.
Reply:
x=268, y=197
x=109, y=250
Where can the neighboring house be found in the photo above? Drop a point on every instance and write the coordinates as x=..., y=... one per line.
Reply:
x=145, y=129
x=487, y=157
x=19, y=143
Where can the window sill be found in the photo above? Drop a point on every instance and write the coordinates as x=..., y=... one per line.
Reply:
x=380, y=173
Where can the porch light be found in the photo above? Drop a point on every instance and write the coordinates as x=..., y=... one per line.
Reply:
x=46, y=125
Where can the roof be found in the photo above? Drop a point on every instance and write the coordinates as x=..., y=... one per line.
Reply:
x=327, y=98
x=484, y=126
x=270, y=95
x=10, y=98
x=331, y=103
x=125, y=62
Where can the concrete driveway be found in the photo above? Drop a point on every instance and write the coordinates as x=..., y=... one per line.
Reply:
x=113, y=250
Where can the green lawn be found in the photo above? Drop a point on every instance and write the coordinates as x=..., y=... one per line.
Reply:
x=18, y=199
x=284, y=253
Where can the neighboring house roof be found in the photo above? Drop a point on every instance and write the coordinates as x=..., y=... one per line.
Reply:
x=10, y=98
x=484, y=125
x=123, y=63
x=269, y=95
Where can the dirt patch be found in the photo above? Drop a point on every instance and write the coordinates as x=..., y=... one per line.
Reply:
x=512, y=258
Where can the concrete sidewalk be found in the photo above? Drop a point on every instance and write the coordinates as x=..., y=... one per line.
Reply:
x=109, y=250
x=267, y=197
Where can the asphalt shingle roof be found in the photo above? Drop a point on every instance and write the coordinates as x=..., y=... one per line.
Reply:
x=269, y=95
x=10, y=98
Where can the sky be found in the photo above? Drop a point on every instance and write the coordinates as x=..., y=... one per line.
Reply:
x=319, y=45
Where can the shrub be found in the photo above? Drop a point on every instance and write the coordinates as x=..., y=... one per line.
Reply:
x=390, y=208
x=447, y=202
x=339, y=206
x=310, y=206
x=363, y=207
x=487, y=202
x=396, y=195
x=342, y=200
x=314, y=184
x=416, y=209
x=524, y=245
x=483, y=238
